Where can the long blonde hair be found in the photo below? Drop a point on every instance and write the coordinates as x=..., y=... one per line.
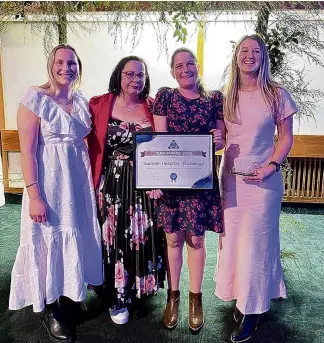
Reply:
x=269, y=88
x=51, y=85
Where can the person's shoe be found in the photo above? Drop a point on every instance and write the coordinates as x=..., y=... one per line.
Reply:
x=246, y=329
x=76, y=312
x=238, y=316
x=81, y=312
x=54, y=324
x=196, y=316
x=171, y=312
x=81, y=307
x=120, y=316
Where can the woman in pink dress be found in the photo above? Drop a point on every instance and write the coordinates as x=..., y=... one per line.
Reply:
x=249, y=268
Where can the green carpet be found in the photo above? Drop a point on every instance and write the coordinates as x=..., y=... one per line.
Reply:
x=299, y=319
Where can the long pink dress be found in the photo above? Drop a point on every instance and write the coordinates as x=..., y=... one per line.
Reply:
x=249, y=266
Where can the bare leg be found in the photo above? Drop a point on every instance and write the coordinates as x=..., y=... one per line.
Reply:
x=174, y=249
x=196, y=260
x=196, y=264
x=174, y=258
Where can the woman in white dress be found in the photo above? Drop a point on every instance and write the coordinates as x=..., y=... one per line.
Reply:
x=60, y=241
x=249, y=267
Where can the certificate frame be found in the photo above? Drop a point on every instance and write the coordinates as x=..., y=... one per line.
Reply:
x=153, y=174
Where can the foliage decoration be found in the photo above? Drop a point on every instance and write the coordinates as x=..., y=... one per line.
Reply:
x=290, y=28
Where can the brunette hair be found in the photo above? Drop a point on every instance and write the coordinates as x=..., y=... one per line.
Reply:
x=201, y=89
x=115, y=78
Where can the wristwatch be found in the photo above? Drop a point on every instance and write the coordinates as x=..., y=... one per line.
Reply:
x=276, y=164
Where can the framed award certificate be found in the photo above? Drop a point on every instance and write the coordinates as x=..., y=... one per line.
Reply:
x=164, y=160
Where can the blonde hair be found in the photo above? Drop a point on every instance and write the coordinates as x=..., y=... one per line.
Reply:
x=201, y=88
x=269, y=88
x=51, y=85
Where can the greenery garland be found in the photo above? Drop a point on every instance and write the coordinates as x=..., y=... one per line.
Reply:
x=290, y=29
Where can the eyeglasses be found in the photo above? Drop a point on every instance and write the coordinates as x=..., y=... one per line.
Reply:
x=131, y=75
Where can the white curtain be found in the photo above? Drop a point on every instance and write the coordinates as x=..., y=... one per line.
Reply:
x=2, y=197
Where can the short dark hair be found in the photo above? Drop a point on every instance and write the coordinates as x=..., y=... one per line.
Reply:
x=115, y=78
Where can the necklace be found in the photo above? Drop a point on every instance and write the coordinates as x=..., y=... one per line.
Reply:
x=249, y=95
x=198, y=97
x=66, y=104
x=128, y=109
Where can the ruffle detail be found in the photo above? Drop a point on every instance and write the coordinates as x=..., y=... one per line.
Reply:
x=81, y=109
x=48, y=269
x=54, y=118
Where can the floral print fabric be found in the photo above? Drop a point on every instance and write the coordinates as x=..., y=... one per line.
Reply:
x=194, y=211
x=133, y=246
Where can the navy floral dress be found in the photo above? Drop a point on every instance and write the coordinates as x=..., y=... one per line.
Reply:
x=200, y=210
x=133, y=246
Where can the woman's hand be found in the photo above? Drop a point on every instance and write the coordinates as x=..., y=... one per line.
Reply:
x=155, y=193
x=37, y=210
x=261, y=174
x=217, y=138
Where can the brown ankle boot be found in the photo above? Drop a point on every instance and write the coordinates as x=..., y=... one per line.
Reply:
x=196, y=316
x=171, y=313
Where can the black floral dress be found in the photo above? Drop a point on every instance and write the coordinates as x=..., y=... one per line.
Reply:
x=195, y=211
x=133, y=246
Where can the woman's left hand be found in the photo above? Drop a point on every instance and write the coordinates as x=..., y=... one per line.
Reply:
x=217, y=138
x=261, y=174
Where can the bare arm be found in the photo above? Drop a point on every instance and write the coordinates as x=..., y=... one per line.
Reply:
x=220, y=143
x=160, y=123
x=285, y=139
x=28, y=127
x=219, y=132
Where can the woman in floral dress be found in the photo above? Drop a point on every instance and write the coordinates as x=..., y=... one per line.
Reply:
x=133, y=246
x=186, y=215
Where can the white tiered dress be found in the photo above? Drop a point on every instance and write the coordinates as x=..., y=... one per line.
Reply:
x=249, y=266
x=57, y=258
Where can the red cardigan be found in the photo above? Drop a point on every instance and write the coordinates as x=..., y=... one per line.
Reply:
x=100, y=108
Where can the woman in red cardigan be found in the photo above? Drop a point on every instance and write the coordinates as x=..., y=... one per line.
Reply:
x=133, y=246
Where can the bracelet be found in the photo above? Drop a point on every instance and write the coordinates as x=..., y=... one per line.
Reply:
x=34, y=198
x=33, y=183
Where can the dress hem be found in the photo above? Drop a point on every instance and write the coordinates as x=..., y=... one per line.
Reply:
x=250, y=312
x=41, y=309
x=197, y=234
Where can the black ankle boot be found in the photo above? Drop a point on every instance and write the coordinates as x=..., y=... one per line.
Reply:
x=246, y=329
x=75, y=312
x=55, y=325
x=238, y=316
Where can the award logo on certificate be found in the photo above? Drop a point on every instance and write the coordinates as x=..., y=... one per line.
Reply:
x=173, y=161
